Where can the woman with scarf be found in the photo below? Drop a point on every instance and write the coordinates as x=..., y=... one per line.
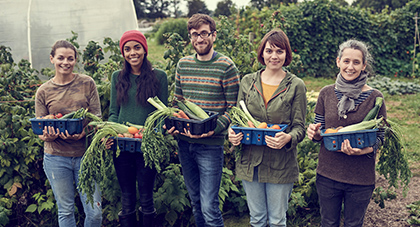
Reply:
x=347, y=175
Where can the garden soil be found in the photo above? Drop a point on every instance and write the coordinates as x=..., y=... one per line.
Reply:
x=395, y=213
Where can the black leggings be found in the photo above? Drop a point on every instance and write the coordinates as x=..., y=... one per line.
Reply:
x=129, y=168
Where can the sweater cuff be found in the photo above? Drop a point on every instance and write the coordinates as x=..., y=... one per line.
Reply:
x=218, y=129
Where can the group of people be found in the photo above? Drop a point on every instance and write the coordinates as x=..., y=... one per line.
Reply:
x=212, y=81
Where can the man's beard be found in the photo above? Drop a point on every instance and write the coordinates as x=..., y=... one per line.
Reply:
x=204, y=51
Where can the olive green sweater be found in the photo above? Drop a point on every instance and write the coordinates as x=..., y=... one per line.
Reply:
x=131, y=111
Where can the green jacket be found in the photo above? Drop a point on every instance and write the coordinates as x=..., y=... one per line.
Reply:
x=286, y=106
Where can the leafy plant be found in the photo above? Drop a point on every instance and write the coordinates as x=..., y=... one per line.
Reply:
x=21, y=174
x=4, y=213
x=394, y=87
x=92, y=55
x=171, y=197
x=178, y=26
x=43, y=202
x=414, y=210
x=380, y=195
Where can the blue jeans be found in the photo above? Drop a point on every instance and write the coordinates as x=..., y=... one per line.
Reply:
x=130, y=168
x=267, y=201
x=331, y=196
x=63, y=175
x=202, y=167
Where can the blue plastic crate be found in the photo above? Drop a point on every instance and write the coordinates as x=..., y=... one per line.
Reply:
x=196, y=127
x=358, y=139
x=131, y=145
x=73, y=126
x=256, y=136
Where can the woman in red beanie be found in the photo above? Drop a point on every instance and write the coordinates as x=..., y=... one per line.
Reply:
x=130, y=89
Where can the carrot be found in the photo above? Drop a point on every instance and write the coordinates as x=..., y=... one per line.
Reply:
x=331, y=130
x=183, y=115
x=176, y=115
x=250, y=124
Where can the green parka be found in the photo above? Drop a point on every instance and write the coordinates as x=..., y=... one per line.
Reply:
x=286, y=106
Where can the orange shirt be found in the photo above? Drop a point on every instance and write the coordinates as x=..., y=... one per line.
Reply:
x=268, y=91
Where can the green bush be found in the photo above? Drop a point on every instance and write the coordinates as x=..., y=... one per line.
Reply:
x=172, y=26
x=316, y=28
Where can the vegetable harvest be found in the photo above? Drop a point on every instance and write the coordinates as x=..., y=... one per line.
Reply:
x=374, y=123
x=157, y=146
x=248, y=115
x=240, y=116
x=393, y=162
x=97, y=160
x=373, y=113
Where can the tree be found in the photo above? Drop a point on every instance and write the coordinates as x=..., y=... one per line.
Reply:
x=158, y=9
x=259, y=4
x=341, y=2
x=175, y=4
x=140, y=7
x=379, y=5
x=197, y=6
x=223, y=8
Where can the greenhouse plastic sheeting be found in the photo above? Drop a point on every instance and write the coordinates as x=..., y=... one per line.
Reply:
x=30, y=27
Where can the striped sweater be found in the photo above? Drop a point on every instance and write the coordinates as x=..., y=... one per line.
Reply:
x=213, y=85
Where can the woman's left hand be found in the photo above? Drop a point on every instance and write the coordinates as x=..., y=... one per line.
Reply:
x=278, y=141
x=347, y=149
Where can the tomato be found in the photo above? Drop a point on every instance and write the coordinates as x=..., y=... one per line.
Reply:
x=275, y=127
x=262, y=125
x=331, y=130
x=138, y=135
x=59, y=115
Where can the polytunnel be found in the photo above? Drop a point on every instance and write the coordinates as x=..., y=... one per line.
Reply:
x=30, y=27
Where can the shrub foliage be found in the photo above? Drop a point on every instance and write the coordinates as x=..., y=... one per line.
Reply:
x=315, y=29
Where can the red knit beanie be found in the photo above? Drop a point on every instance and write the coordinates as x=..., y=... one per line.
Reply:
x=133, y=35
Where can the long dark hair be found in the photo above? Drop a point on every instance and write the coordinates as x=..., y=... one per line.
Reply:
x=147, y=83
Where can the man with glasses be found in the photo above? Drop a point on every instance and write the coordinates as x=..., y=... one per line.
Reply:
x=210, y=80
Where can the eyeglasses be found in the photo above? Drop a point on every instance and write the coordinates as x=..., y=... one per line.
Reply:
x=203, y=35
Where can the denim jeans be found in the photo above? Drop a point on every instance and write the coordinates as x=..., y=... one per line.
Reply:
x=63, y=175
x=202, y=167
x=267, y=201
x=130, y=168
x=331, y=196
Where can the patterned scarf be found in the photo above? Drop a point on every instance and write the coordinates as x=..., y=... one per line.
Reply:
x=350, y=90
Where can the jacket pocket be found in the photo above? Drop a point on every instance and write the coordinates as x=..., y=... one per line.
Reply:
x=246, y=156
x=279, y=159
